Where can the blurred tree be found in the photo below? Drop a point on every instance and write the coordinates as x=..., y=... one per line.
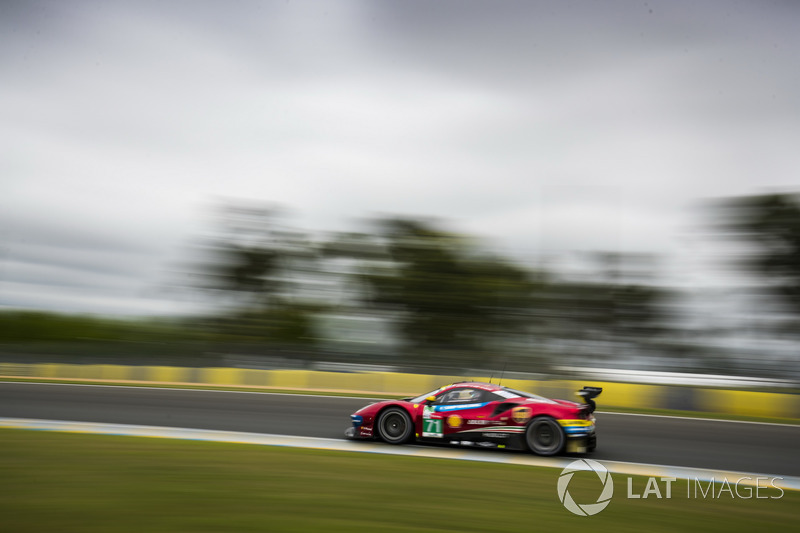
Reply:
x=447, y=300
x=600, y=310
x=258, y=267
x=771, y=225
x=611, y=310
x=41, y=326
x=448, y=297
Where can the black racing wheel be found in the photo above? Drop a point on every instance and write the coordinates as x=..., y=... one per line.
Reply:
x=394, y=426
x=545, y=436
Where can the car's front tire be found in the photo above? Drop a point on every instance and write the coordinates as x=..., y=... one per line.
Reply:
x=395, y=426
x=545, y=436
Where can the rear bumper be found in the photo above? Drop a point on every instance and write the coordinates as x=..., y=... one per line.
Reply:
x=580, y=435
x=581, y=444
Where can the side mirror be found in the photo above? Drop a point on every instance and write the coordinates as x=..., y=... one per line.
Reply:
x=430, y=399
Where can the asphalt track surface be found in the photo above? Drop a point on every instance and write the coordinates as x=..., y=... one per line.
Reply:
x=742, y=447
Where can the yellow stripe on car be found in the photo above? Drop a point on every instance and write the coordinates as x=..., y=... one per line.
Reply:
x=575, y=423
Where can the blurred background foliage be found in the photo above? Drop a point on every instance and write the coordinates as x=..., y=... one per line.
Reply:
x=770, y=226
x=407, y=293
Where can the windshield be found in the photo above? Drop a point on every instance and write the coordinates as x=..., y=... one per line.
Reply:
x=420, y=399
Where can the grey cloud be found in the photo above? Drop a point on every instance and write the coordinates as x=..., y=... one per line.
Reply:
x=542, y=125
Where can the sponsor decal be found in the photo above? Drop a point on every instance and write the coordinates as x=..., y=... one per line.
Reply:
x=454, y=421
x=520, y=415
x=577, y=427
x=495, y=430
x=575, y=423
x=484, y=422
x=447, y=408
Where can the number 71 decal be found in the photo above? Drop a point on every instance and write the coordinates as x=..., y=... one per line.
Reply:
x=432, y=427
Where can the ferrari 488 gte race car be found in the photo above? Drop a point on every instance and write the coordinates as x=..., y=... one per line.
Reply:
x=482, y=414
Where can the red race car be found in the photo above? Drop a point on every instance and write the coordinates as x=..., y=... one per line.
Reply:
x=474, y=413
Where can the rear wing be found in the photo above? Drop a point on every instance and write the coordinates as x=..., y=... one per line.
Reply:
x=589, y=394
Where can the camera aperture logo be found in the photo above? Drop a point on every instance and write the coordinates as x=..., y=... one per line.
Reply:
x=586, y=509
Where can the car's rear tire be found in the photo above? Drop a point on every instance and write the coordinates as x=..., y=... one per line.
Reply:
x=545, y=436
x=395, y=426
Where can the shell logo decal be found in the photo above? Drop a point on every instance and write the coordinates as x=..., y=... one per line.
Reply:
x=520, y=415
x=454, y=421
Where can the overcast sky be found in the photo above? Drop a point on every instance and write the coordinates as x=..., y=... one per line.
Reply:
x=546, y=127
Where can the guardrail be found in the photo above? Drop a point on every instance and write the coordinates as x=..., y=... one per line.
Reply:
x=615, y=394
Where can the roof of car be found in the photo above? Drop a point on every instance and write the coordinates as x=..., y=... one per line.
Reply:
x=475, y=385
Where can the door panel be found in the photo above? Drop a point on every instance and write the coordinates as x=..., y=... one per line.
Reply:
x=454, y=409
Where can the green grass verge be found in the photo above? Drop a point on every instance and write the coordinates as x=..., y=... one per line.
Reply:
x=92, y=483
x=661, y=412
